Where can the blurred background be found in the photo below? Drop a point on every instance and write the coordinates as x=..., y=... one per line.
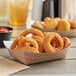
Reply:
x=34, y=10
x=4, y=11
x=39, y=9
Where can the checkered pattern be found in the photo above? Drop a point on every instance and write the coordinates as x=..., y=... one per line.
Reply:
x=30, y=58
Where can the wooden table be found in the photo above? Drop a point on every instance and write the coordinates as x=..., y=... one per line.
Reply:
x=65, y=66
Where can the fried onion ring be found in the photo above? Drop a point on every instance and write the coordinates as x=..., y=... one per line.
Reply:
x=26, y=44
x=32, y=31
x=67, y=42
x=15, y=42
x=40, y=43
x=52, y=42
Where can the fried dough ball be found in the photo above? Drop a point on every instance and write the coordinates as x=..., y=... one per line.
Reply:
x=63, y=25
x=51, y=24
x=47, y=19
x=57, y=19
x=38, y=24
x=73, y=24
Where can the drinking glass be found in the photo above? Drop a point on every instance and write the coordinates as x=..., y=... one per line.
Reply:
x=2, y=10
x=17, y=12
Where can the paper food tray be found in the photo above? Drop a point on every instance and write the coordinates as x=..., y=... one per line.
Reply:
x=71, y=33
x=30, y=58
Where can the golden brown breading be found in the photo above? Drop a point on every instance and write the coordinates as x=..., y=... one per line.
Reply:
x=63, y=25
x=38, y=24
x=47, y=19
x=73, y=24
x=67, y=42
x=57, y=19
x=51, y=24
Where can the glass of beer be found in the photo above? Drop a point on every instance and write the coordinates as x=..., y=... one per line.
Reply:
x=17, y=12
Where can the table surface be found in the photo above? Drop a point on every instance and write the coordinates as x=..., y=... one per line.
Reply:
x=64, y=66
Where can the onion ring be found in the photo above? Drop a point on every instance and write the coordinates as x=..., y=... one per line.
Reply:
x=29, y=40
x=27, y=44
x=67, y=42
x=40, y=42
x=32, y=31
x=50, y=45
x=15, y=42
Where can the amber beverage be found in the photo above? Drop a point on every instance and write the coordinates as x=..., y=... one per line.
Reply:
x=17, y=12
